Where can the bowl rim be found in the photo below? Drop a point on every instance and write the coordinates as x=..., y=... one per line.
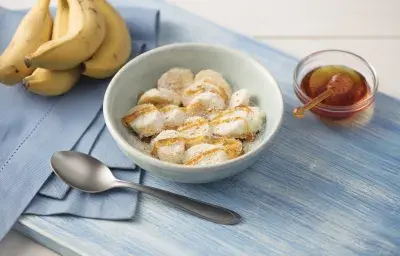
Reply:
x=179, y=168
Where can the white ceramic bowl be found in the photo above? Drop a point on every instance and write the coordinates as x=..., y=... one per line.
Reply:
x=142, y=73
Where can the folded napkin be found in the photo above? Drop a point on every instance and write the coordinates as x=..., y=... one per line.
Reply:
x=114, y=205
x=33, y=127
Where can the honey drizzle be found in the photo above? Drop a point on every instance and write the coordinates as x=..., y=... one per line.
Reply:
x=168, y=108
x=196, y=140
x=231, y=111
x=216, y=80
x=217, y=90
x=131, y=117
x=232, y=147
x=222, y=114
x=201, y=156
x=170, y=127
x=227, y=120
x=189, y=125
x=195, y=108
x=156, y=100
x=244, y=108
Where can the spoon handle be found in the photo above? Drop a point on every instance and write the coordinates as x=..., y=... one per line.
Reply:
x=201, y=209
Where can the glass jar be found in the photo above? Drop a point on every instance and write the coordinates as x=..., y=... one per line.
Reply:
x=342, y=58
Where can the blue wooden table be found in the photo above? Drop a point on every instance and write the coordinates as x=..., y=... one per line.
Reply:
x=319, y=190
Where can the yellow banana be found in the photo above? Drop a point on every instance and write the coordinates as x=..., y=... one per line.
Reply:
x=86, y=31
x=116, y=47
x=54, y=82
x=34, y=30
x=51, y=82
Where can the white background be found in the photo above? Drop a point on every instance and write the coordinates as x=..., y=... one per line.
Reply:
x=370, y=28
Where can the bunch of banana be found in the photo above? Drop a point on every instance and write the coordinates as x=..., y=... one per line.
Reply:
x=89, y=37
x=86, y=31
x=54, y=82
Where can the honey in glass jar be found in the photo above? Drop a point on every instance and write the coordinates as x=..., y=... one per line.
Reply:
x=316, y=81
x=342, y=89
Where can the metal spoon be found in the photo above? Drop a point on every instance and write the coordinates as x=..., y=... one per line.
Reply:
x=88, y=174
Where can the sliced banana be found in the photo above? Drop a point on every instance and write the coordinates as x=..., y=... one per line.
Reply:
x=195, y=130
x=205, y=102
x=203, y=154
x=213, y=77
x=256, y=119
x=174, y=116
x=240, y=123
x=176, y=79
x=169, y=146
x=240, y=98
x=202, y=87
x=146, y=120
x=160, y=97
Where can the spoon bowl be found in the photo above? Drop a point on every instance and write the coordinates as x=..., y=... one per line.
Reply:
x=84, y=173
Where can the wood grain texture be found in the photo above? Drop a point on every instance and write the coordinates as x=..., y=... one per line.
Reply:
x=319, y=190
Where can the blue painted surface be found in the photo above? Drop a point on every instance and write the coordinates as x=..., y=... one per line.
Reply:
x=319, y=190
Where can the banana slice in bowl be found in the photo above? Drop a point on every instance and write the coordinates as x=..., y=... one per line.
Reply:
x=204, y=154
x=201, y=87
x=176, y=79
x=168, y=146
x=160, y=97
x=240, y=98
x=174, y=116
x=241, y=122
x=145, y=120
x=215, y=78
x=195, y=130
x=205, y=102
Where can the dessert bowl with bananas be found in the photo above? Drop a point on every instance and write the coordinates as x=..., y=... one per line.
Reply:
x=193, y=112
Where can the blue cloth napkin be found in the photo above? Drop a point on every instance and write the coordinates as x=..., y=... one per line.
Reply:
x=33, y=127
x=113, y=205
